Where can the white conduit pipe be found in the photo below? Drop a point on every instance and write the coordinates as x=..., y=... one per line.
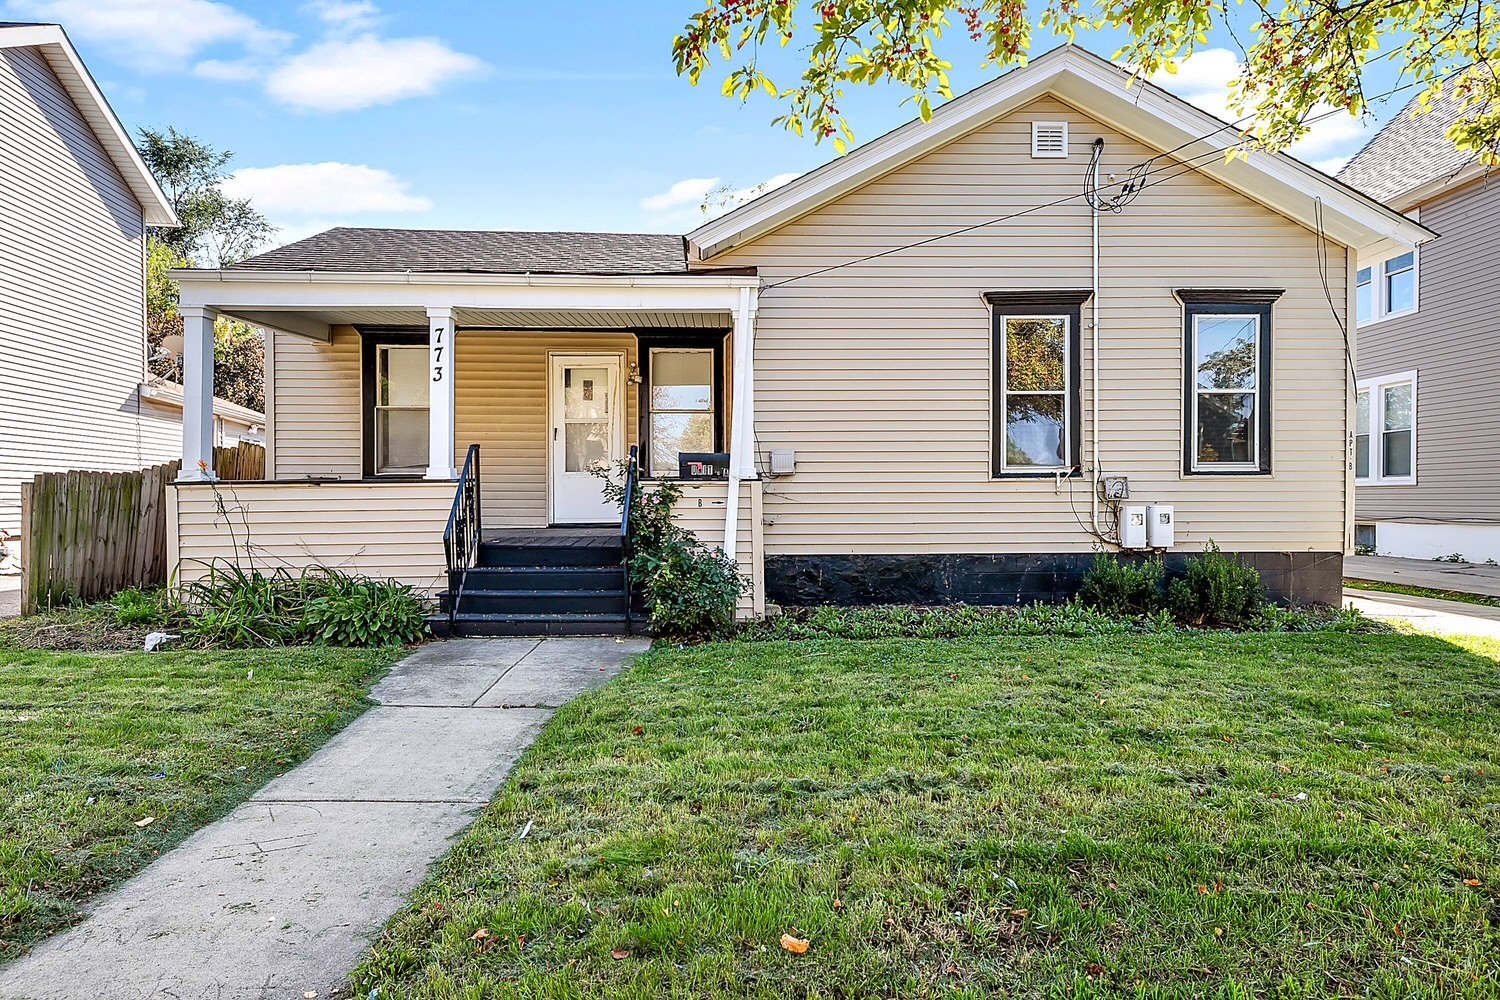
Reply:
x=1094, y=359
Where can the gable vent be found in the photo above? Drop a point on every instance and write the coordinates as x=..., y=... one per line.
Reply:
x=1049, y=139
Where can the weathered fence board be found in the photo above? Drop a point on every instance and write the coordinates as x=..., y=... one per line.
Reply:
x=243, y=462
x=86, y=535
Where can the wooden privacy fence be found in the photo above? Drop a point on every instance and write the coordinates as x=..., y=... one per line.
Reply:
x=243, y=462
x=87, y=535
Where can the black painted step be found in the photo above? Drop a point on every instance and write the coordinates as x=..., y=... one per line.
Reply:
x=520, y=624
x=493, y=555
x=545, y=578
x=542, y=602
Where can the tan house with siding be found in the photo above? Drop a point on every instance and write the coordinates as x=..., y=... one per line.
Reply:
x=1427, y=430
x=76, y=392
x=948, y=366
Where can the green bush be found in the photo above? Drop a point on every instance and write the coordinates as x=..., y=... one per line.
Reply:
x=144, y=607
x=1217, y=591
x=232, y=606
x=1122, y=586
x=691, y=590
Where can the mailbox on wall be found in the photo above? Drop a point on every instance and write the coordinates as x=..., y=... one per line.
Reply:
x=703, y=465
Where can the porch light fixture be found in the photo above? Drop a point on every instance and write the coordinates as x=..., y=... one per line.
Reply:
x=634, y=375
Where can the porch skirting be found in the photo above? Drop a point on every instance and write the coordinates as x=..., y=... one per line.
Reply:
x=1296, y=578
x=386, y=530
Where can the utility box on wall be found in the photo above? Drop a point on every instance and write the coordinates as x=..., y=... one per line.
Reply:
x=1161, y=526
x=1133, y=526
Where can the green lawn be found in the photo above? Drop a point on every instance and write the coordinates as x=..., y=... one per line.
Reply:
x=91, y=744
x=1410, y=591
x=1145, y=816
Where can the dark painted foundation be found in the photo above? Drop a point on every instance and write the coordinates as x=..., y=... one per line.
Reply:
x=1291, y=578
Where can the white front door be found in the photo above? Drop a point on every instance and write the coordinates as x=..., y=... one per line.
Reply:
x=586, y=431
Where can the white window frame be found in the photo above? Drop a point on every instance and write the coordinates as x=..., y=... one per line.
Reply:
x=381, y=350
x=1260, y=383
x=1066, y=393
x=1380, y=287
x=1376, y=448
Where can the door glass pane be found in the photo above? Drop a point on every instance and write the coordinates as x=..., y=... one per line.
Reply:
x=401, y=440
x=585, y=393
x=1226, y=424
x=1036, y=355
x=673, y=433
x=403, y=376
x=1034, y=431
x=682, y=380
x=1227, y=355
x=586, y=446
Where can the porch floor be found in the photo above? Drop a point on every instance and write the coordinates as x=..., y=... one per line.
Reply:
x=569, y=537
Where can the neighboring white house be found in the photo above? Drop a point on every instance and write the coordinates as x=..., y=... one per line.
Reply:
x=78, y=199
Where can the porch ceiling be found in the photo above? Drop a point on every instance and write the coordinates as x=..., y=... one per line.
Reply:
x=308, y=322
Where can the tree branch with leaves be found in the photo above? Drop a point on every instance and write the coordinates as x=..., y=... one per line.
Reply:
x=1303, y=56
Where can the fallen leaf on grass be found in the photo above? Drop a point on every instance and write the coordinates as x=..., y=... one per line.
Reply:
x=145, y=822
x=639, y=731
x=480, y=935
x=620, y=954
x=1095, y=970
x=795, y=945
x=1476, y=883
x=309, y=995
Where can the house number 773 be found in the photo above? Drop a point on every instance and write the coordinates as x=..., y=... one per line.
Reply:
x=437, y=354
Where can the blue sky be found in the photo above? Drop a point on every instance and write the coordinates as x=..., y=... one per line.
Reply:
x=495, y=115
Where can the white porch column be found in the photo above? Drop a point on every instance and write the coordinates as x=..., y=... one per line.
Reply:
x=441, y=395
x=197, y=395
x=742, y=417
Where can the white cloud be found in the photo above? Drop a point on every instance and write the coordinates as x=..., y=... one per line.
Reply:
x=1203, y=79
x=685, y=193
x=346, y=15
x=153, y=35
x=694, y=200
x=307, y=190
x=361, y=72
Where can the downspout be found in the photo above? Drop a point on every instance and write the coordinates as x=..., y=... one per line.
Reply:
x=1094, y=356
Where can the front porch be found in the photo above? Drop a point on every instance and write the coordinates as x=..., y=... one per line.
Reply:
x=376, y=393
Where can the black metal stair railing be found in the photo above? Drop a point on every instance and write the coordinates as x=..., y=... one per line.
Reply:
x=632, y=475
x=462, y=536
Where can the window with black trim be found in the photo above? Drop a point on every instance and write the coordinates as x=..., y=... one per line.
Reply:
x=681, y=400
x=1227, y=398
x=1036, y=398
x=396, y=403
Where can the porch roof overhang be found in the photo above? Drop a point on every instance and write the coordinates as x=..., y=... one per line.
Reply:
x=310, y=303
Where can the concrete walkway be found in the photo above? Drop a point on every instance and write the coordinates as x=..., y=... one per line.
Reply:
x=10, y=595
x=1464, y=578
x=281, y=898
x=1426, y=614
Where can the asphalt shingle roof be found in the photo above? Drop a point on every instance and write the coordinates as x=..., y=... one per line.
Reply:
x=477, y=252
x=1412, y=150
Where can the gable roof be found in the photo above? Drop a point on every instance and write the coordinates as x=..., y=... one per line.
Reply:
x=1103, y=91
x=52, y=42
x=1411, y=151
x=451, y=251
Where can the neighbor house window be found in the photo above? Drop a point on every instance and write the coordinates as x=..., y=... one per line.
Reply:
x=1387, y=287
x=1227, y=411
x=681, y=405
x=401, y=408
x=1036, y=384
x=1385, y=433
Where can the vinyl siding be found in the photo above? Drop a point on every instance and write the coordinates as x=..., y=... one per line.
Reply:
x=383, y=530
x=72, y=297
x=701, y=511
x=1452, y=341
x=500, y=402
x=878, y=374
